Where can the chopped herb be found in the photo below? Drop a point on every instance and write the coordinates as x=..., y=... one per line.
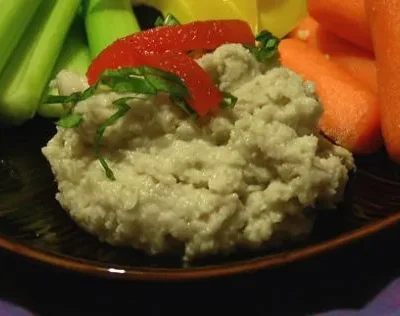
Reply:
x=123, y=108
x=56, y=99
x=229, y=100
x=71, y=120
x=87, y=93
x=267, y=46
x=129, y=84
x=141, y=80
x=166, y=82
x=169, y=20
x=159, y=22
x=183, y=105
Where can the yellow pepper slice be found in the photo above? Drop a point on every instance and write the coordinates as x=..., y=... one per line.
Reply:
x=280, y=16
x=277, y=16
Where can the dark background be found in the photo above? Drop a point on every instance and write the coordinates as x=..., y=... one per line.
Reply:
x=346, y=278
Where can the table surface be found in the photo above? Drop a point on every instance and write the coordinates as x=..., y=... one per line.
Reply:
x=346, y=278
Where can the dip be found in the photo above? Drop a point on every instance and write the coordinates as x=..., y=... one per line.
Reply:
x=241, y=178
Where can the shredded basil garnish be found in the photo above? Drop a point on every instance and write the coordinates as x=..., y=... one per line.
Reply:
x=141, y=80
x=229, y=100
x=266, y=48
x=169, y=20
x=183, y=105
x=123, y=108
x=71, y=120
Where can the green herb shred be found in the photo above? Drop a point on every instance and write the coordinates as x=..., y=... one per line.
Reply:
x=229, y=100
x=169, y=20
x=266, y=48
x=71, y=120
x=140, y=80
x=123, y=108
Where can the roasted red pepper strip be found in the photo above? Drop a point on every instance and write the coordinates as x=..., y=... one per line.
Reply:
x=192, y=36
x=204, y=94
x=163, y=47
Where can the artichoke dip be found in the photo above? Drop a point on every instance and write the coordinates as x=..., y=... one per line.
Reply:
x=238, y=179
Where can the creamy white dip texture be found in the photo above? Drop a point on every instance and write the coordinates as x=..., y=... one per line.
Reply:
x=241, y=178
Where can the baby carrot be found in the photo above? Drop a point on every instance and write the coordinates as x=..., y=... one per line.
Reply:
x=358, y=62
x=351, y=113
x=345, y=18
x=384, y=17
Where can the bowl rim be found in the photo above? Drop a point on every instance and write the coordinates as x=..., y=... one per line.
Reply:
x=110, y=271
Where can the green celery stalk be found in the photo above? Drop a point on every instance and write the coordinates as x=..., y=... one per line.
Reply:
x=26, y=76
x=108, y=20
x=75, y=57
x=15, y=16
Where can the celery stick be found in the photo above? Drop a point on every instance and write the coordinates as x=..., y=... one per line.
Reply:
x=75, y=54
x=75, y=57
x=26, y=76
x=108, y=20
x=15, y=16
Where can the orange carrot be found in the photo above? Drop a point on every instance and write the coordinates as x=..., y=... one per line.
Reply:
x=344, y=18
x=351, y=113
x=384, y=19
x=358, y=62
